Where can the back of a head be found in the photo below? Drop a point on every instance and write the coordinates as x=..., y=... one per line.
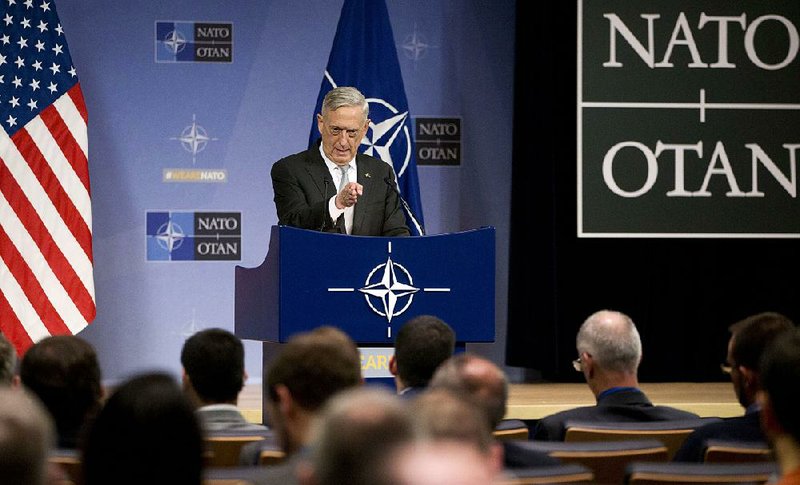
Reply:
x=26, y=436
x=64, y=373
x=314, y=366
x=147, y=432
x=356, y=431
x=214, y=362
x=612, y=340
x=442, y=415
x=422, y=344
x=780, y=379
x=8, y=361
x=480, y=379
x=438, y=463
x=752, y=335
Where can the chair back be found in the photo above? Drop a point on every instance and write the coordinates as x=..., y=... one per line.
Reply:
x=607, y=460
x=671, y=433
x=511, y=429
x=271, y=456
x=68, y=466
x=729, y=451
x=674, y=473
x=224, y=450
x=238, y=475
x=568, y=473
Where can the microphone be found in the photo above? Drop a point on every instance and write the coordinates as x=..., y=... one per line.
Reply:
x=325, y=215
x=391, y=183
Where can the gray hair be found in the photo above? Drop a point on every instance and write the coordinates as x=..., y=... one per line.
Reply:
x=612, y=340
x=8, y=361
x=344, y=96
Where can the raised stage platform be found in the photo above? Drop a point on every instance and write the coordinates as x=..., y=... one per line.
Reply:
x=534, y=401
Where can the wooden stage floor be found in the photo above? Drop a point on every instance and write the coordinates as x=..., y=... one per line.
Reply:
x=534, y=401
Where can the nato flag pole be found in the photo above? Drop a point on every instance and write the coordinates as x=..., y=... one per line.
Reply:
x=364, y=56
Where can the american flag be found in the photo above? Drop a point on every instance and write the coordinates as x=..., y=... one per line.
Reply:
x=46, y=270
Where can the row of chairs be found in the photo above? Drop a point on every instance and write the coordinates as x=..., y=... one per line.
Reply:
x=608, y=450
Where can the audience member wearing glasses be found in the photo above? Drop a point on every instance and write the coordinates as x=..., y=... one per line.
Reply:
x=609, y=350
x=749, y=339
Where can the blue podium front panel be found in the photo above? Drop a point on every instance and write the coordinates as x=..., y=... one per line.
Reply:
x=370, y=286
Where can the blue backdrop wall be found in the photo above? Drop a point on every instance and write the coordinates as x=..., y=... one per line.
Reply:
x=456, y=57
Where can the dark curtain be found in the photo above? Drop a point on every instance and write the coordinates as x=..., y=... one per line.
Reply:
x=682, y=293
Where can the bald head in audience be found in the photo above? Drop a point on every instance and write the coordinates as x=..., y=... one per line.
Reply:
x=609, y=350
x=479, y=378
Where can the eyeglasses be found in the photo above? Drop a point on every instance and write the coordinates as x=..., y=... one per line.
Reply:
x=337, y=131
x=577, y=364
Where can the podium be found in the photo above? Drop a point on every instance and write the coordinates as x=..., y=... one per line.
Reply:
x=367, y=287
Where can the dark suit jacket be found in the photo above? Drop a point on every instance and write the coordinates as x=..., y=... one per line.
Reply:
x=740, y=428
x=303, y=185
x=630, y=405
x=516, y=455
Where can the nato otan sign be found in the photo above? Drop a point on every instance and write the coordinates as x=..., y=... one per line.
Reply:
x=688, y=119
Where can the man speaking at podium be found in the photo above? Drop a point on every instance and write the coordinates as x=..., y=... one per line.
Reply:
x=331, y=187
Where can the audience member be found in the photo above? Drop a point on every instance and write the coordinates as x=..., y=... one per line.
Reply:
x=26, y=437
x=749, y=338
x=780, y=401
x=147, y=432
x=309, y=370
x=421, y=345
x=357, y=431
x=441, y=415
x=609, y=350
x=8, y=363
x=64, y=374
x=213, y=377
x=439, y=463
x=487, y=385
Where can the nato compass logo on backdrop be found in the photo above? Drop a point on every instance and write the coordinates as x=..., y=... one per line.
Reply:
x=388, y=137
x=194, y=139
x=415, y=46
x=389, y=289
x=194, y=42
x=194, y=236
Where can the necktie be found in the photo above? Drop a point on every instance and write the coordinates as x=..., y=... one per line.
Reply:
x=345, y=179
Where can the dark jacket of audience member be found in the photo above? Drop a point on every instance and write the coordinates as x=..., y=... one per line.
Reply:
x=64, y=374
x=749, y=339
x=147, y=433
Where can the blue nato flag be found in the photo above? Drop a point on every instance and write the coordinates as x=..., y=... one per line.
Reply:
x=364, y=56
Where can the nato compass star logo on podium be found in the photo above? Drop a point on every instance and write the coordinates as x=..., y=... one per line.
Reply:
x=389, y=289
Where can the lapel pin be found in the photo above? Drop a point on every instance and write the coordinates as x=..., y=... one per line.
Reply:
x=367, y=175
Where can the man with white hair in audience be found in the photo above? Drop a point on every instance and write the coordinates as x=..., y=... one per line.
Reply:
x=609, y=353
